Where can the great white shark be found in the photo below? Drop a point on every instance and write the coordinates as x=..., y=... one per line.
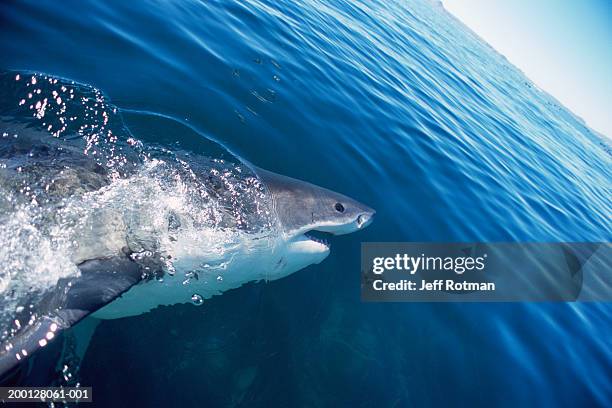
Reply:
x=112, y=279
x=110, y=288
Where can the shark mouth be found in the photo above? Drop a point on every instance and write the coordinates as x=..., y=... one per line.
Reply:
x=318, y=236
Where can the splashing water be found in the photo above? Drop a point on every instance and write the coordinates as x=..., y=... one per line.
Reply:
x=75, y=185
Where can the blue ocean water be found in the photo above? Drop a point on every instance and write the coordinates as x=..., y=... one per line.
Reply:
x=394, y=103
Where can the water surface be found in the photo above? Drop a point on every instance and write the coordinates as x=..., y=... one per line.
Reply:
x=396, y=104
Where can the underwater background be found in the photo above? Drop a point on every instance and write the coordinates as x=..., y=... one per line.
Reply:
x=394, y=103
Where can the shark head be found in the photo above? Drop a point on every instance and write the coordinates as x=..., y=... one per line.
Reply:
x=304, y=210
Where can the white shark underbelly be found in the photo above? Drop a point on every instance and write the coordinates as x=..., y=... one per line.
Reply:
x=201, y=275
x=198, y=276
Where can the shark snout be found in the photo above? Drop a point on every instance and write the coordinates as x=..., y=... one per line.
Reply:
x=355, y=222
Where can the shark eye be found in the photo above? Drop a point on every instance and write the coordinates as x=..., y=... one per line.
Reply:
x=339, y=207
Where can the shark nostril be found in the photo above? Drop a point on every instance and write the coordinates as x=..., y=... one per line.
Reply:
x=363, y=220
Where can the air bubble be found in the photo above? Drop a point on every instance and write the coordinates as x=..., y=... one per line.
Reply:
x=197, y=299
x=170, y=270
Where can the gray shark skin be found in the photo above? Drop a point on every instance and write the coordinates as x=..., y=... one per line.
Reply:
x=303, y=206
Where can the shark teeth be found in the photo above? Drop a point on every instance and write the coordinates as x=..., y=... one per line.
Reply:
x=312, y=237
